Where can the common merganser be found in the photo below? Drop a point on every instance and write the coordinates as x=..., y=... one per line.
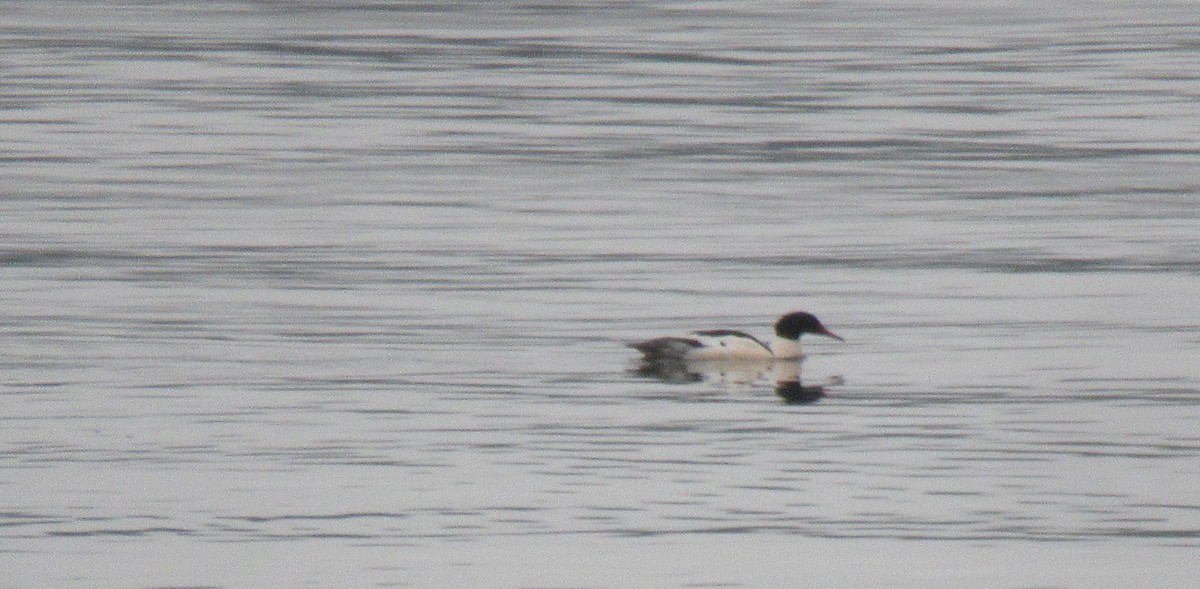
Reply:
x=724, y=344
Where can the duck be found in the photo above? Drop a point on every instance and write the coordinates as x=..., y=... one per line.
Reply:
x=725, y=344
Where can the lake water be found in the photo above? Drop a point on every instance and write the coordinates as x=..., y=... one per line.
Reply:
x=317, y=294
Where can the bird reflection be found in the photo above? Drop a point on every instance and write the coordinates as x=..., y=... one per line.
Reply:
x=794, y=393
x=736, y=374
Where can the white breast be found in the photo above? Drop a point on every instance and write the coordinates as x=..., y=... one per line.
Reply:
x=786, y=349
x=729, y=347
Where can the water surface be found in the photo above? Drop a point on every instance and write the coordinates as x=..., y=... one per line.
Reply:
x=317, y=294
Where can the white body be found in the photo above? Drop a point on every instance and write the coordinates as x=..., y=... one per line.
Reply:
x=735, y=347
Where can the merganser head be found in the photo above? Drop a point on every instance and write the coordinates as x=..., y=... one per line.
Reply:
x=793, y=325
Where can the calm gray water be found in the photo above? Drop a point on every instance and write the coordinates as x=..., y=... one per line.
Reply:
x=319, y=294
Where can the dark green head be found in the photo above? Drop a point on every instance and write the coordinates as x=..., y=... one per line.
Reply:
x=793, y=325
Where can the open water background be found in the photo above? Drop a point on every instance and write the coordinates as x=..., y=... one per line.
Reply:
x=335, y=294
